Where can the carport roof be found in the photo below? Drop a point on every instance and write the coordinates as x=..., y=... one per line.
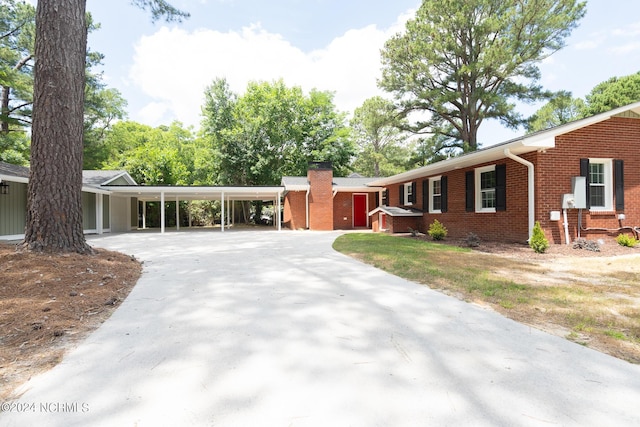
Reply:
x=154, y=192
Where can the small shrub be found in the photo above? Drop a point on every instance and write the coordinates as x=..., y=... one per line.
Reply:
x=538, y=242
x=626, y=240
x=437, y=231
x=472, y=240
x=589, y=245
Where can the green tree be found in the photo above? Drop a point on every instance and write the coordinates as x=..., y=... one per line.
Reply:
x=153, y=156
x=17, y=32
x=461, y=62
x=54, y=204
x=613, y=93
x=271, y=131
x=103, y=107
x=561, y=109
x=376, y=128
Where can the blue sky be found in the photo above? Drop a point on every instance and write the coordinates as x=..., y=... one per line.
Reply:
x=162, y=69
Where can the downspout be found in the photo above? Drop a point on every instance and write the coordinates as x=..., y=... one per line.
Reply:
x=531, y=187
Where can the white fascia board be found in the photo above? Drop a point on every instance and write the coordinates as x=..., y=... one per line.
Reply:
x=95, y=190
x=496, y=152
x=12, y=178
x=198, y=193
x=124, y=175
x=340, y=189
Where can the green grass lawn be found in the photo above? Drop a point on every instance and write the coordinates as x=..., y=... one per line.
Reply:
x=607, y=318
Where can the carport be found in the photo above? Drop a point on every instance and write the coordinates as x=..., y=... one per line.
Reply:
x=225, y=194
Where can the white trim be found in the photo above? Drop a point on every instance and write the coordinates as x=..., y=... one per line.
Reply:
x=408, y=188
x=608, y=185
x=430, y=195
x=12, y=237
x=478, y=189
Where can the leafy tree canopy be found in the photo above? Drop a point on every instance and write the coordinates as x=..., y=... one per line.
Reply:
x=152, y=156
x=460, y=63
x=613, y=93
x=563, y=108
x=376, y=129
x=271, y=131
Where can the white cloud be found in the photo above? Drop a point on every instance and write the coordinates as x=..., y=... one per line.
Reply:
x=173, y=66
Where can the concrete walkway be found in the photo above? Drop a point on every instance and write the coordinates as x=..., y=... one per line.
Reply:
x=277, y=329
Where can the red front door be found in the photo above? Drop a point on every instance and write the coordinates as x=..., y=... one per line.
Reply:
x=360, y=210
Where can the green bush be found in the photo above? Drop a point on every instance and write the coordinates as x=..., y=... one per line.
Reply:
x=538, y=242
x=437, y=231
x=626, y=240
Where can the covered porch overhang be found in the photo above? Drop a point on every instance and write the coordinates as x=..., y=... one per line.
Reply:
x=224, y=194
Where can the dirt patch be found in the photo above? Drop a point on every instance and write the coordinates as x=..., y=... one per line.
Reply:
x=48, y=303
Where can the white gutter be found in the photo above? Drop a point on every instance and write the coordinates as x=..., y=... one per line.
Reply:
x=531, y=187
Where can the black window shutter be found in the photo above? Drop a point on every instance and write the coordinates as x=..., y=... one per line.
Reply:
x=584, y=171
x=618, y=182
x=501, y=187
x=425, y=195
x=443, y=194
x=401, y=192
x=414, y=192
x=377, y=199
x=385, y=196
x=470, y=191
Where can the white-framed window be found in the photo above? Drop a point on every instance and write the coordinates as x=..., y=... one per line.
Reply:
x=601, y=184
x=435, y=194
x=485, y=181
x=408, y=193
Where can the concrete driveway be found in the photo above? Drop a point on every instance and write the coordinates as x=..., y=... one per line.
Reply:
x=276, y=329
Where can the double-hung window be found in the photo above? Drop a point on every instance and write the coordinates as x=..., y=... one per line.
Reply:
x=486, y=189
x=435, y=194
x=600, y=184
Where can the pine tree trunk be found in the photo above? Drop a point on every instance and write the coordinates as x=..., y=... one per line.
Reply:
x=54, y=207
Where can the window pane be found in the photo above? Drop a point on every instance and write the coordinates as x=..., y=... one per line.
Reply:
x=488, y=180
x=596, y=173
x=436, y=188
x=489, y=199
x=437, y=203
x=597, y=196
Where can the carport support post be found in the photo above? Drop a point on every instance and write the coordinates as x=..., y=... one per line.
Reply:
x=144, y=214
x=222, y=212
x=177, y=213
x=162, y=212
x=278, y=216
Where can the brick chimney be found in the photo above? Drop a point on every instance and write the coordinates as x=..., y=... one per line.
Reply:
x=320, y=177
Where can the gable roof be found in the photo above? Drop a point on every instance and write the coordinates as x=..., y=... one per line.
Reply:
x=541, y=140
x=14, y=172
x=105, y=177
x=92, y=178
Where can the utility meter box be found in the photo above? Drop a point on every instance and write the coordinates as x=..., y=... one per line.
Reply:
x=568, y=201
x=579, y=189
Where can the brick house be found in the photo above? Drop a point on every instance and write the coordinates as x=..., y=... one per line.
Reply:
x=587, y=171
x=321, y=202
